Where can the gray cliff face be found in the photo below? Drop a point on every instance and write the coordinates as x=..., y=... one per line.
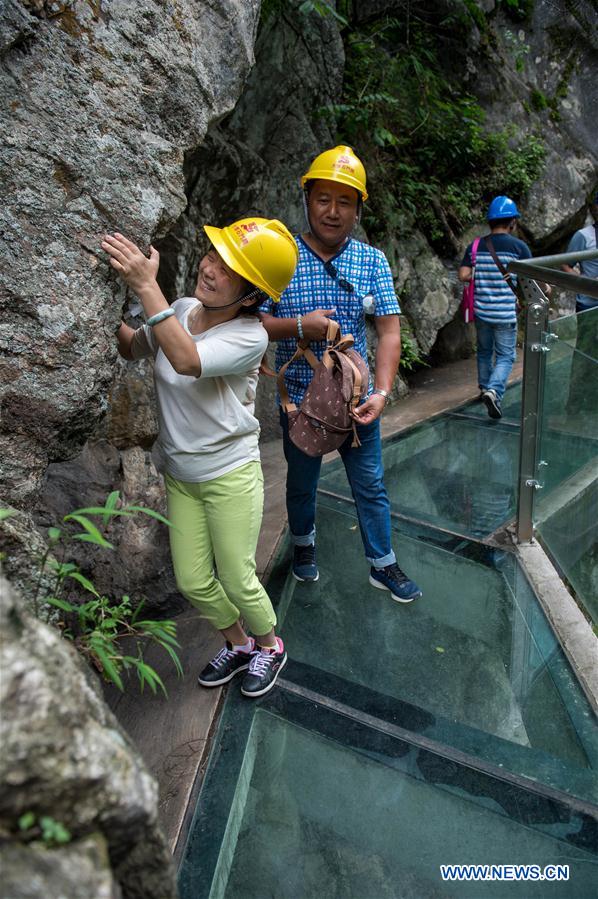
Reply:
x=65, y=755
x=540, y=78
x=101, y=101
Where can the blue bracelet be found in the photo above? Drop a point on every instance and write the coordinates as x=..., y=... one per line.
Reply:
x=300, y=328
x=160, y=316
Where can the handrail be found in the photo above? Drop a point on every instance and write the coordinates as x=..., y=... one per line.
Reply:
x=539, y=269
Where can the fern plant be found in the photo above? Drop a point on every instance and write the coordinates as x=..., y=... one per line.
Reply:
x=110, y=633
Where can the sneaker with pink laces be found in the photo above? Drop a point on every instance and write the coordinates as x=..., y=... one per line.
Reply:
x=264, y=668
x=224, y=666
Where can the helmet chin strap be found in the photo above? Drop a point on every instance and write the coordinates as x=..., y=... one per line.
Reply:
x=305, y=208
x=247, y=296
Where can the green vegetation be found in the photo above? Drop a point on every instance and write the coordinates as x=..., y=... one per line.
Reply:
x=109, y=633
x=538, y=100
x=51, y=832
x=410, y=354
x=423, y=138
x=519, y=10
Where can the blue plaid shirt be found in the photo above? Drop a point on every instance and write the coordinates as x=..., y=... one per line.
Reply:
x=363, y=267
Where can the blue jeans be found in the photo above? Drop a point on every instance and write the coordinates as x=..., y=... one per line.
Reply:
x=365, y=472
x=496, y=354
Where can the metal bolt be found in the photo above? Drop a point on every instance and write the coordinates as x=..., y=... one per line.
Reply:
x=531, y=482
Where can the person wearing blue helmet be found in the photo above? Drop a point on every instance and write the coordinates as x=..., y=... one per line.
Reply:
x=495, y=302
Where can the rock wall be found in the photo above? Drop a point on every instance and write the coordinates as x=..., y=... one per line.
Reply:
x=64, y=755
x=100, y=102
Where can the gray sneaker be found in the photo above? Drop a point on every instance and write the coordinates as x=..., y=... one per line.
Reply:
x=492, y=403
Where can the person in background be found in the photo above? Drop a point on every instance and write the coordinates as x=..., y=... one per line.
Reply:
x=495, y=302
x=207, y=351
x=335, y=275
x=581, y=399
x=585, y=239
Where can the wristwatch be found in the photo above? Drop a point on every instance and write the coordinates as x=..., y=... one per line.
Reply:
x=383, y=393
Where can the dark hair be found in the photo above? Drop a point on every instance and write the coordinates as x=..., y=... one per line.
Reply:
x=260, y=298
x=502, y=223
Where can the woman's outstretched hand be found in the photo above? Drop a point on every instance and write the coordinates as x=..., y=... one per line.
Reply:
x=137, y=270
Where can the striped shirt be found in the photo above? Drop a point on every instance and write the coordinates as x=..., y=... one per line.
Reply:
x=494, y=301
x=357, y=265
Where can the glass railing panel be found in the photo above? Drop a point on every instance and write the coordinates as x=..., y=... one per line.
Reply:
x=579, y=330
x=566, y=508
x=454, y=473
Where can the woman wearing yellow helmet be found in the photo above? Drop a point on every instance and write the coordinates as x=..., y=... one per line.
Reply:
x=207, y=353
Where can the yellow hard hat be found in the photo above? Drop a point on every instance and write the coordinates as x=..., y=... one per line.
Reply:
x=261, y=250
x=340, y=164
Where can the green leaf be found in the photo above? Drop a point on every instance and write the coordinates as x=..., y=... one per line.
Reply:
x=148, y=675
x=152, y=514
x=92, y=535
x=53, y=831
x=137, y=610
x=110, y=506
x=175, y=659
x=26, y=821
x=77, y=576
x=54, y=534
x=102, y=510
x=99, y=648
x=62, y=568
x=60, y=604
x=6, y=513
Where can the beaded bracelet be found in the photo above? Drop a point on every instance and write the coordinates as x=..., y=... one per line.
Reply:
x=160, y=316
x=300, y=328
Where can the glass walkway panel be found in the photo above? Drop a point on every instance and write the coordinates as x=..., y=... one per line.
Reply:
x=401, y=738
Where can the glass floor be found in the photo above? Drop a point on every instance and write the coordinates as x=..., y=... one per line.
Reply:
x=404, y=737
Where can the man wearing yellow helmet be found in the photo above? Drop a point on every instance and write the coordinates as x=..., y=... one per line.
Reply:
x=336, y=276
x=207, y=351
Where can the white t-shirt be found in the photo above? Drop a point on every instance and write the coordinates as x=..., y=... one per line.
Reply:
x=207, y=424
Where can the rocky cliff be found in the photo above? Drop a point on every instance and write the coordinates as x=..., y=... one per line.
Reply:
x=153, y=118
x=100, y=103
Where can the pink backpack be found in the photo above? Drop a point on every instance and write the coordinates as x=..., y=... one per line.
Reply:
x=467, y=303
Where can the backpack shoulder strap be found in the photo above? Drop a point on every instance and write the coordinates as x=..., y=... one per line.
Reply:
x=285, y=400
x=499, y=264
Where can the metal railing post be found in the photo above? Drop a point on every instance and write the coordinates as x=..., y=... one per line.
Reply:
x=534, y=364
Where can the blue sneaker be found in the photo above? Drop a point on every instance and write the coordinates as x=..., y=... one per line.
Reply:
x=304, y=563
x=402, y=589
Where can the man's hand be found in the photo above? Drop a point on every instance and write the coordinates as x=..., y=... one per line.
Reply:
x=370, y=410
x=135, y=269
x=315, y=324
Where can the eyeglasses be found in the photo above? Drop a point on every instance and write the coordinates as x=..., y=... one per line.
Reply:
x=331, y=270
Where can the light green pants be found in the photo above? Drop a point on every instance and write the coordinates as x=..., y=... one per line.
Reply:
x=219, y=521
